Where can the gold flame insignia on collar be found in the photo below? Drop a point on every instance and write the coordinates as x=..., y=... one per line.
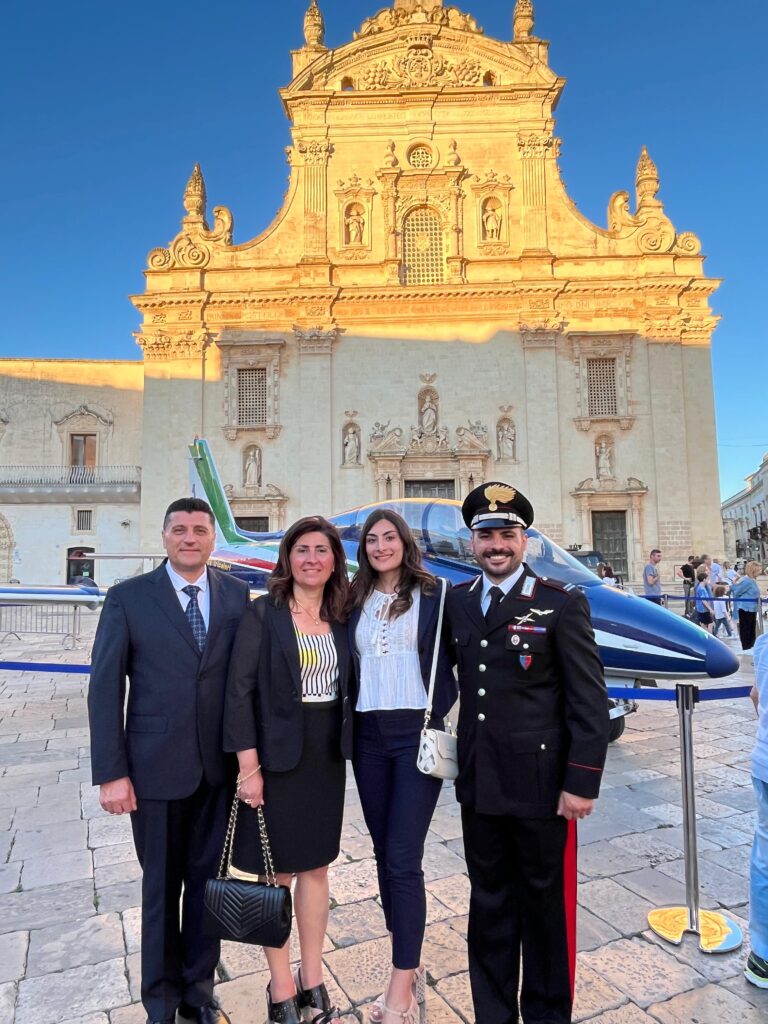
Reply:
x=498, y=492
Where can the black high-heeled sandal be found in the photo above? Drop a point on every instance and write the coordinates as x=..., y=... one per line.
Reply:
x=314, y=1003
x=285, y=1012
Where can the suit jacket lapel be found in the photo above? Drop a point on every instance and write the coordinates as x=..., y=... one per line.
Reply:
x=340, y=638
x=167, y=600
x=509, y=606
x=286, y=636
x=214, y=611
x=428, y=613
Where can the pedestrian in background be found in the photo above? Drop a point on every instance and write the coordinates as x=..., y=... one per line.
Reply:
x=721, y=610
x=651, y=578
x=756, y=971
x=745, y=595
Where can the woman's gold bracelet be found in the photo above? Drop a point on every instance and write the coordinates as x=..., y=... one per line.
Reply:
x=244, y=778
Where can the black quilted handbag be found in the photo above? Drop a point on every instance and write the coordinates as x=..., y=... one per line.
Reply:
x=242, y=911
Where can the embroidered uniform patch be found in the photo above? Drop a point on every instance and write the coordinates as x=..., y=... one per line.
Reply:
x=525, y=661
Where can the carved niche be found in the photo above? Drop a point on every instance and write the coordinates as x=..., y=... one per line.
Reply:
x=351, y=445
x=506, y=437
x=491, y=201
x=355, y=205
x=252, y=468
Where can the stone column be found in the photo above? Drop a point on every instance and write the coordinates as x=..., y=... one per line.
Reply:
x=638, y=558
x=533, y=150
x=315, y=155
x=315, y=471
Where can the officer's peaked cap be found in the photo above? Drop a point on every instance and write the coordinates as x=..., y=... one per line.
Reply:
x=494, y=505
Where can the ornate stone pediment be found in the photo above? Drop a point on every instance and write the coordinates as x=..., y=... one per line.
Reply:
x=592, y=486
x=194, y=244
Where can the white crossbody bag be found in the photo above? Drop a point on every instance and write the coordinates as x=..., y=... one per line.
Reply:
x=437, y=750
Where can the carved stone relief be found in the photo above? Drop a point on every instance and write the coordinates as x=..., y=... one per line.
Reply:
x=350, y=442
x=604, y=458
x=252, y=466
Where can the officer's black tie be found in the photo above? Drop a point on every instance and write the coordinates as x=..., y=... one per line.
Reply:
x=496, y=597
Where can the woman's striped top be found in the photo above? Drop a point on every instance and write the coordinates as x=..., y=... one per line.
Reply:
x=319, y=666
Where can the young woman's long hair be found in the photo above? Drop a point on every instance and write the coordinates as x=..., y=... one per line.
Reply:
x=280, y=584
x=412, y=572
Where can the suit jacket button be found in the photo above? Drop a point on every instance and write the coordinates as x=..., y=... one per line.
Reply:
x=483, y=643
x=481, y=668
x=481, y=693
x=543, y=746
x=481, y=718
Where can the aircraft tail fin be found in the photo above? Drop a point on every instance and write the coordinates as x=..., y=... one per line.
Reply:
x=206, y=482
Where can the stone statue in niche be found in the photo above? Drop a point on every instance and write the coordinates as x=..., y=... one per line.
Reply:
x=252, y=467
x=351, y=455
x=505, y=440
x=428, y=413
x=354, y=224
x=604, y=459
x=491, y=220
x=479, y=430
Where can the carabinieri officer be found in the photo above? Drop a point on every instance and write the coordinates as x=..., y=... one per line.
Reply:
x=533, y=735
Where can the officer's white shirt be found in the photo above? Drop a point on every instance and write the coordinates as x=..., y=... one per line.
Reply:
x=506, y=585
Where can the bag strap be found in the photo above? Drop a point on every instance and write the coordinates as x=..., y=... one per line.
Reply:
x=229, y=842
x=435, y=653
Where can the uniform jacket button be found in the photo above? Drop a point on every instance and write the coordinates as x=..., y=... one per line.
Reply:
x=481, y=668
x=483, y=643
x=481, y=693
x=481, y=717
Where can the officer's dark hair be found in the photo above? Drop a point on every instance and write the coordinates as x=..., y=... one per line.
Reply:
x=188, y=505
x=412, y=572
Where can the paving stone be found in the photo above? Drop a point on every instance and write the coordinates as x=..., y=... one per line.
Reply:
x=133, y=969
x=13, y=955
x=642, y=971
x=673, y=835
x=715, y=882
x=606, y=826
x=444, y=951
x=654, y=884
x=361, y=970
x=37, y=908
x=244, y=999
x=10, y=875
x=621, y=909
x=134, y=1014
x=452, y=891
x=707, y=808
x=116, y=874
x=593, y=993
x=736, y=859
x=62, y=837
x=356, y=922
x=446, y=824
x=709, y=1005
x=437, y=1009
x=749, y=993
x=739, y=797
x=239, y=958
x=667, y=813
x=7, y=1001
x=68, y=944
x=119, y=897
x=17, y=796
x=457, y=994
x=131, y=920
x=116, y=854
x=356, y=848
x=89, y=802
x=91, y=1018
x=626, y=1014
x=602, y=860
x=116, y=828
x=715, y=967
x=49, y=814
x=54, y=997
x=647, y=845
x=56, y=869
x=353, y=882
x=592, y=932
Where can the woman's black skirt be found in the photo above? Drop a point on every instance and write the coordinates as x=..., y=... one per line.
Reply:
x=303, y=808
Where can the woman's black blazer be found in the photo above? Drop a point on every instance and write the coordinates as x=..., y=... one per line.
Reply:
x=446, y=690
x=262, y=708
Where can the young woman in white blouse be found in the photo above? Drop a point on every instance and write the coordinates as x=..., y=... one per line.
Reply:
x=393, y=624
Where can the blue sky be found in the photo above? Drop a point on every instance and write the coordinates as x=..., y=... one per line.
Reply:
x=107, y=106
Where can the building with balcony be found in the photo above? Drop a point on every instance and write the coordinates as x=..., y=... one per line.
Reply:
x=745, y=518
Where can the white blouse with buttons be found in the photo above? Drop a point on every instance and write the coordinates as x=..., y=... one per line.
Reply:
x=390, y=673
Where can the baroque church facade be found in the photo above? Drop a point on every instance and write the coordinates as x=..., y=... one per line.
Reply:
x=427, y=311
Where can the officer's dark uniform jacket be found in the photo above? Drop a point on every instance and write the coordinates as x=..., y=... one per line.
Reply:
x=534, y=709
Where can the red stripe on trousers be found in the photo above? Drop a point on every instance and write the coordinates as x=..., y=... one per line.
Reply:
x=569, y=895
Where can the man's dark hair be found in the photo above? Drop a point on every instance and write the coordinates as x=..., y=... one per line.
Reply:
x=691, y=558
x=189, y=505
x=656, y=551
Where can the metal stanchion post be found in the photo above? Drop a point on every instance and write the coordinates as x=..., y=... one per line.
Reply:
x=717, y=933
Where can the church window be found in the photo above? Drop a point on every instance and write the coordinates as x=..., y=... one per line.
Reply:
x=347, y=85
x=430, y=489
x=420, y=157
x=82, y=450
x=252, y=396
x=601, y=387
x=423, y=261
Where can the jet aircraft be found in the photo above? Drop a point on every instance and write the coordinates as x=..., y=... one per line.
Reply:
x=639, y=641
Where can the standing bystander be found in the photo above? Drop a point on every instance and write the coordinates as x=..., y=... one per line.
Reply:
x=651, y=578
x=756, y=970
x=687, y=573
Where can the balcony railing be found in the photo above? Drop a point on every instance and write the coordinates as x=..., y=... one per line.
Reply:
x=69, y=476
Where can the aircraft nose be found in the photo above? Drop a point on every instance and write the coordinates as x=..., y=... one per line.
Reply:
x=719, y=659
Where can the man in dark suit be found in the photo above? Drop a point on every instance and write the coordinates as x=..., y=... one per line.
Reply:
x=533, y=734
x=170, y=632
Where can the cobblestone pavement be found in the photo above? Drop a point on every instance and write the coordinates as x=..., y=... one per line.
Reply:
x=70, y=885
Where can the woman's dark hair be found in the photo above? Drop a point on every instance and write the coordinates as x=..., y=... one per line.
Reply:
x=608, y=571
x=280, y=583
x=412, y=573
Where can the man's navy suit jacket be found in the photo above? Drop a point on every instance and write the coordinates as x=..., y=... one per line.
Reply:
x=169, y=736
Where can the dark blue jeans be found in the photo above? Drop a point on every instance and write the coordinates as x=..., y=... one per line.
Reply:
x=398, y=803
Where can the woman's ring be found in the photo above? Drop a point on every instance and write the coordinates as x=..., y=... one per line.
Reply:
x=249, y=802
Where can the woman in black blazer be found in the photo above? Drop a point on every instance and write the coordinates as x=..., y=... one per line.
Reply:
x=392, y=629
x=287, y=717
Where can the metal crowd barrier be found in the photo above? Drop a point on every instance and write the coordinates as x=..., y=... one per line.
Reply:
x=48, y=619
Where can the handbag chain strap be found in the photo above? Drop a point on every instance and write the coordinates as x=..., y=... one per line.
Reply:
x=229, y=842
x=438, y=634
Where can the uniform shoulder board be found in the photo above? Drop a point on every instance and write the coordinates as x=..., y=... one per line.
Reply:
x=554, y=584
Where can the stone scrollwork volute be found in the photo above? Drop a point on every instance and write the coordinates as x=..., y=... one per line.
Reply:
x=418, y=12
x=649, y=227
x=194, y=244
